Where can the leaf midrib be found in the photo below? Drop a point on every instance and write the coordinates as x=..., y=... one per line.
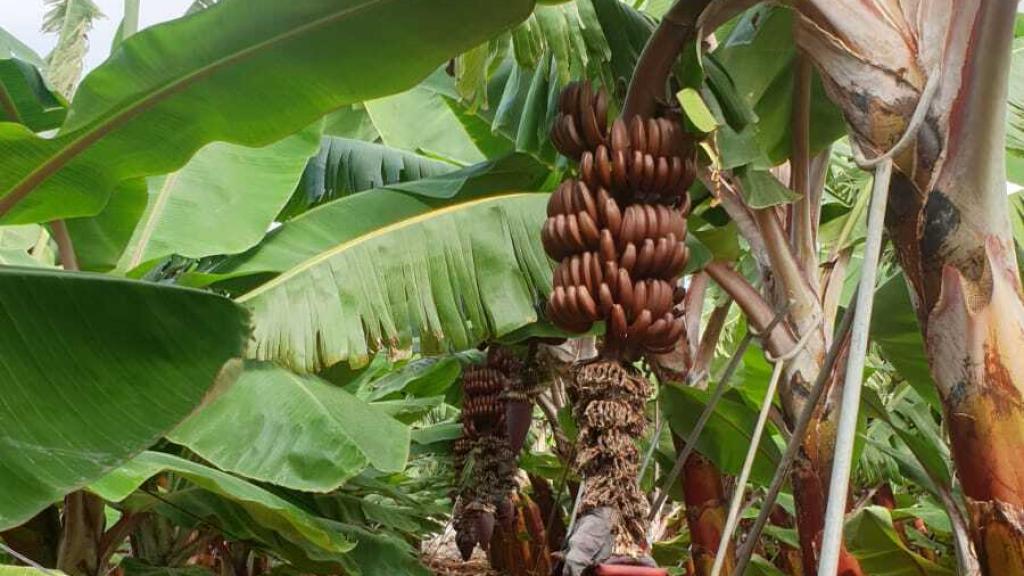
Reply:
x=90, y=136
x=327, y=254
x=150, y=224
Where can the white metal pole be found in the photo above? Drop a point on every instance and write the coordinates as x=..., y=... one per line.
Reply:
x=835, y=513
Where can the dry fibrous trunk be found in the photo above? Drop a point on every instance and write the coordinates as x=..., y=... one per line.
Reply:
x=484, y=461
x=609, y=410
x=947, y=218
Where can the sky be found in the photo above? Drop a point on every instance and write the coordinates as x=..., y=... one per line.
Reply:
x=22, y=18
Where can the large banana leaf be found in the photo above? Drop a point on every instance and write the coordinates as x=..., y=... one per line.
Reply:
x=93, y=371
x=419, y=120
x=24, y=96
x=262, y=507
x=450, y=277
x=26, y=99
x=727, y=435
x=213, y=75
x=294, y=431
x=895, y=329
x=345, y=166
x=221, y=202
x=377, y=552
x=758, y=55
x=873, y=539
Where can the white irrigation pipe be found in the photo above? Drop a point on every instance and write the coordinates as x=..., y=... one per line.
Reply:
x=835, y=512
x=748, y=464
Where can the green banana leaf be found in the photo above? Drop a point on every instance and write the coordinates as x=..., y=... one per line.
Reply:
x=95, y=370
x=376, y=553
x=450, y=277
x=222, y=202
x=345, y=166
x=214, y=75
x=260, y=506
x=294, y=431
x=895, y=329
x=872, y=538
x=727, y=435
x=26, y=99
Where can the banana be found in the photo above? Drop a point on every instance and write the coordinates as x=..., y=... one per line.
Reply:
x=565, y=242
x=548, y=240
x=604, y=294
x=625, y=295
x=636, y=170
x=611, y=277
x=638, y=329
x=572, y=103
x=556, y=306
x=588, y=229
x=563, y=98
x=620, y=136
x=662, y=257
x=629, y=227
x=617, y=327
x=651, y=216
x=645, y=257
x=642, y=226
x=604, y=166
x=628, y=259
x=555, y=134
x=584, y=200
x=573, y=136
x=637, y=134
x=647, y=182
x=572, y=305
x=654, y=138
x=661, y=174
x=575, y=236
x=596, y=277
x=575, y=274
x=678, y=222
x=556, y=277
x=639, y=299
x=554, y=203
x=613, y=216
x=606, y=247
x=586, y=303
x=601, y=110
x=587, y=170
x=675, y=174
x=678, y=262
x=591, y=131
x=620, y=170
x=662, y=303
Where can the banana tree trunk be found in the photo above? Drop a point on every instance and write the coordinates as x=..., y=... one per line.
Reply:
x=705, y=500
x=947, y=218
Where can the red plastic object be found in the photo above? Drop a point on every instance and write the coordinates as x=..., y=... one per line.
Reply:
x=628, y=570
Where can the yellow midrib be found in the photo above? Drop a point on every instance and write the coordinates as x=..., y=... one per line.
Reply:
x=328, y=254
x=154, y=216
